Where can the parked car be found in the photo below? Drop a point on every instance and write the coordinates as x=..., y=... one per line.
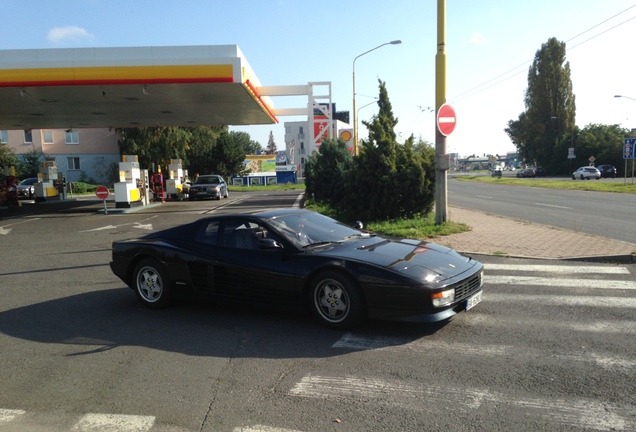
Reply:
x=496, y=172
x=299, y=259
x=208, y=186
x=528, y=172
x=607, y=170
x=26, y=188
x=540, y=172
x=586, y=173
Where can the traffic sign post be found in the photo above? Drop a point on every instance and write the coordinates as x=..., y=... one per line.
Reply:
x=102, y=193
x=629, y=152
x=629, y=148
x=446, y=119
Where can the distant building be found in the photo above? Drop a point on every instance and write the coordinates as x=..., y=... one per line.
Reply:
x=301, y=140
x=78, y=153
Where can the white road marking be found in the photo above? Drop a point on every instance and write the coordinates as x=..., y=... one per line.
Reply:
x=107, y=227
x=113, y=423
x=558, y=268
x=573, y=413
x=7, y=415
x=601, y=301
x=609, y=327
x=261, y=428
x=364, y=343
x=551, y=205
x=5, y=231
x=561, y=283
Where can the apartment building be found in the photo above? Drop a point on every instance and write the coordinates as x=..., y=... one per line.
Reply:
x=78, y=153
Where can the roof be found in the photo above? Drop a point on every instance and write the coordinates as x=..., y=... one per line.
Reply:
x=129, y=87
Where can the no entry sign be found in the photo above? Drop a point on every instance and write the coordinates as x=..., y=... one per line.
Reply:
x=446, y=119
x=101, y=192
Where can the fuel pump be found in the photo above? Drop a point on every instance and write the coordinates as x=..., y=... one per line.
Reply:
x=156, y=184
x=11, y=187
x=127, y=192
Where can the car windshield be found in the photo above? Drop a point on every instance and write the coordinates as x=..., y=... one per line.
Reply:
x=207, y=180
x=29, y=181
x=308, y=228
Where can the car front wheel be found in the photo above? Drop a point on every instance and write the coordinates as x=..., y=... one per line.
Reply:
x=336, y=301
x=151, y=284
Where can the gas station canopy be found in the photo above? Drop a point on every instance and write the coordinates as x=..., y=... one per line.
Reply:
x=129, y=87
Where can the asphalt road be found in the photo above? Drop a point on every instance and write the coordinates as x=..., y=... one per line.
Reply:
x=549, y=348
x=603, y=214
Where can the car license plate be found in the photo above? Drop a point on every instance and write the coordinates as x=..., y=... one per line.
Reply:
x=473, y=300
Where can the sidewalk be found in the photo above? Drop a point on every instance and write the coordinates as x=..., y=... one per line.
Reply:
x=496, y=235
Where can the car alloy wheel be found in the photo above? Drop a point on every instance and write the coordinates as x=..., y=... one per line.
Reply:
x=151, y=284
x=336, y=301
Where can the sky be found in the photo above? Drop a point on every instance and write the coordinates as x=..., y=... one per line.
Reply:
x=490, y=44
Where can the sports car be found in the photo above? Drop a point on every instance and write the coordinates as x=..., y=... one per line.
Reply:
x=296, y=258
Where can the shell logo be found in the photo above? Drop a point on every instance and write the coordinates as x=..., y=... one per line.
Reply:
x=345, y=135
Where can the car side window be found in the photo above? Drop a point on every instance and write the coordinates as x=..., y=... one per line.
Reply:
x=209, y=234
x=243, y=235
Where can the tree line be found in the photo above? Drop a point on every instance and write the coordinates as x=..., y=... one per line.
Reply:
x=546, y=130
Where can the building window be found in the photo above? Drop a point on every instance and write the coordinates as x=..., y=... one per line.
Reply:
x=72, y=137
x=28, y=136
x=73, y=163
x=4, y=137
x=47, y=136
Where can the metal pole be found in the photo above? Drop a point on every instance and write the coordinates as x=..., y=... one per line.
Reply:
x=441, y=165
x=355, y=116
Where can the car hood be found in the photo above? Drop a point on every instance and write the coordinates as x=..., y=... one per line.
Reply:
x=428, y=262
x=204, y=186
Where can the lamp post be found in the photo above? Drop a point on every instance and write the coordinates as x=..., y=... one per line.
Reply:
x=355, y=116
x=627, y=97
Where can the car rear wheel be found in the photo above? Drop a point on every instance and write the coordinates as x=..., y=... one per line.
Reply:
x=151, y=284
x=336, y=301
x=582, y=177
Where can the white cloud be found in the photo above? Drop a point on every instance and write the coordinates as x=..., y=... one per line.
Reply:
x=478, y=39
x=68, y=34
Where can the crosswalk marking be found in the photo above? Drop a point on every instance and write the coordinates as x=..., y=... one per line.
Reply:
x=561, y=283
x=351, y=341
x=7, y=415
x=564, y=300
x=558, y=268
x=573, y=413
x=95, y=422
x=261, y=428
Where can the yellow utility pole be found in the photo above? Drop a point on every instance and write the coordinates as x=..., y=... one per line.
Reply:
x=442, y=160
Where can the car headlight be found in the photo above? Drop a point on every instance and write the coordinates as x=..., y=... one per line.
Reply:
x=443, y=298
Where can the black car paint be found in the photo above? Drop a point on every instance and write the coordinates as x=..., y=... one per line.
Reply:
x=386, y=271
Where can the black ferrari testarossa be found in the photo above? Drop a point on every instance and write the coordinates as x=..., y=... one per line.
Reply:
x=299, y=258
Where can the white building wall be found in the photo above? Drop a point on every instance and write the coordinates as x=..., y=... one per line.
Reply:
x=299, y=141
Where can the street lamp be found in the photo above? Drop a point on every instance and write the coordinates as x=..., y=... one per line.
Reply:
x=375, y=99
x=355, y=116
x=625, y=97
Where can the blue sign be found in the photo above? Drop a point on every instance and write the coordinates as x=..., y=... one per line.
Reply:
x=629, y=148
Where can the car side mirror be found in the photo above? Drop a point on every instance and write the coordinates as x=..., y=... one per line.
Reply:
x=269, y=243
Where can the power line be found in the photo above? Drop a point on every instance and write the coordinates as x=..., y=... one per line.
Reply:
x=484, y=86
